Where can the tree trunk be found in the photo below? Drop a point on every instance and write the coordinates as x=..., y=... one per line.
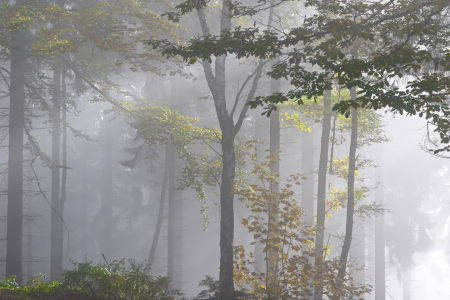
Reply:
x=321, y=190
x=171, y=214
x=55, y=245
x=64, y=149
x=261, y=126
x=272, y=264
x=107, y=190
x=151, y=256
x=350, y=190
x=380, y=256
x=15, y=156
x=308, y=171
x=358, y=251
x=227, y=215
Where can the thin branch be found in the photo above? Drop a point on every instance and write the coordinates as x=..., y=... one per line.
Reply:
x=250, y=96
x=238, y=94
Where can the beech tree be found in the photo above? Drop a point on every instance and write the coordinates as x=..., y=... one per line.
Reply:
x=397, y=32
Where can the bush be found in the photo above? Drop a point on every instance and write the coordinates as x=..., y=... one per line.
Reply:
x=112, y=281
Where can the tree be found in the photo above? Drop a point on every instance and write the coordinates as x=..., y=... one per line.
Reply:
x=275, y=220
x=229, y=129
x=81, y=39
x=15, y=156
x=398, y=28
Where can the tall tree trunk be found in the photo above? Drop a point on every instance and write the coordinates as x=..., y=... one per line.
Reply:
x=151, y=256
x=171, y=214
x=227, y=214
x=272, y=264
x=175, y=217
x=321, y=190
x=84, y=209
x=262, y=123
x=29, y=228
x=55, y=245
x=359, y=251
x=350, y=190
x=380, y=256
x=308, y=171
x=15, y=155
x=64, y=150
x=107, y=190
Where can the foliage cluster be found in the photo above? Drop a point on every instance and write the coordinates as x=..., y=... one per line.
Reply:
x=115, y=280
x=275, y=221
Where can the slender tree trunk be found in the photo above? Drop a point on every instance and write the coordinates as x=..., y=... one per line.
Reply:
x=308, y=171
x=84, y=211
x=107, y=190
x=227, y=215
x=321, y=190
x=351, y=190
x=175, y=217
x=261, y=126
x=151, y=256
x=171, y=214
x=64, y=149
x=56, y=250
x=359, y=252
x=15, y=156
x=380, y=256
x=29, y=228
x=272, y=264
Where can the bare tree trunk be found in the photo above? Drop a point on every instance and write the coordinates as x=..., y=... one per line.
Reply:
x=261, y=127
x=55, y=246
x=64, y=148
x=15, y=156
x=350, y=191
x=107, y=190
x=321, y=190
x=358, y=251
x=272, y=264
x=227, y=215
x=380, y=256
x=151, y=256
x=308, y=171
x=171, y=214
x=29, y=208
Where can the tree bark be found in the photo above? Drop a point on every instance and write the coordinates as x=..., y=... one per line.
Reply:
x=227, y=215
x=15, y=155
x=151, y=256
x=308, y=171
x=272, y=264
x=107, y=190
x=171, y=228
x=55, y=245
x=321, y=190
x=350, y=190
x=380, y=256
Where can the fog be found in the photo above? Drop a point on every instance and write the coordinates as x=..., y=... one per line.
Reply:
x=118, y=151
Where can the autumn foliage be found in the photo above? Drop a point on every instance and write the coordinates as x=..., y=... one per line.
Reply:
x=275, y=221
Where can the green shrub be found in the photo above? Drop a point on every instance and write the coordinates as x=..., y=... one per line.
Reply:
x=112, y=281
